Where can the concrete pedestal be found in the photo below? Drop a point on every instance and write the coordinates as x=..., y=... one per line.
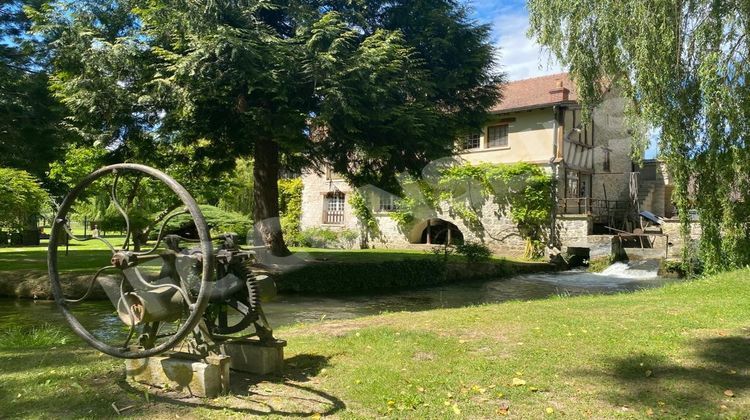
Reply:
x=252, y=356
x=182, y=372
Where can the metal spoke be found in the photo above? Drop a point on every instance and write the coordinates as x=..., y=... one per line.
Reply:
x=155, y=279
x=119, y=208
x=160, y=236
x=130, y=314
x=91, y=285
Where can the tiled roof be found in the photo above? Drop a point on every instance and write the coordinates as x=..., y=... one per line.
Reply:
x=535, y=93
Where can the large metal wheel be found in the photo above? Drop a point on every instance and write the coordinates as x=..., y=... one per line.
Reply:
x=144, y=305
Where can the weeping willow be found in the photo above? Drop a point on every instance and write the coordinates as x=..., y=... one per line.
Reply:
x=683, y=65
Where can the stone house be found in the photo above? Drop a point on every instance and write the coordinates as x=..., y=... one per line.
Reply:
x=540, y=122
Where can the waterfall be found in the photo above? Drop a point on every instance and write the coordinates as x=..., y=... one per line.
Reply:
x=644, y=269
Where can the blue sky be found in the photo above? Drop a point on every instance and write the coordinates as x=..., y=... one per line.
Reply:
x=519, y=56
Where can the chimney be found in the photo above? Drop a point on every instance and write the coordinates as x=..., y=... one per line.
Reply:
x=559, y=93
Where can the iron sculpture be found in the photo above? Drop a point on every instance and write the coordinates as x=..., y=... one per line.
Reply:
x=187, y=294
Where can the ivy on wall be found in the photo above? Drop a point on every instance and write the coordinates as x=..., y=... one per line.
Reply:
x=368, y=224
x=290, y=208
x=523, y=192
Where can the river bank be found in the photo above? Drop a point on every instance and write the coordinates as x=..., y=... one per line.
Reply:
x=678, y=351
x=313, y=278
x=291, y=309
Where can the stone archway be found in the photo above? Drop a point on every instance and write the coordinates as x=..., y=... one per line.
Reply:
x=436, y=232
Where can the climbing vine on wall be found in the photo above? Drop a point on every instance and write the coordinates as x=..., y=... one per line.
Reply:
x=520, y=191
x=362, y=208
x=290, y=208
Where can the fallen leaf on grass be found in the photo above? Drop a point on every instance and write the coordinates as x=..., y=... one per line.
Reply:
x=518, y=382
x=729, y=393
x=456, y=409
x=478, y=389
x=503, y=409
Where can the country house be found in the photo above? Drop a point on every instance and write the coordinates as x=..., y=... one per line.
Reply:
x=539, y=121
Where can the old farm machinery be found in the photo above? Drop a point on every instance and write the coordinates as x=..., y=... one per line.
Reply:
x=186, y=301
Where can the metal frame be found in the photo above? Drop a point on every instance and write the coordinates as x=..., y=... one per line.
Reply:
x=196, y=308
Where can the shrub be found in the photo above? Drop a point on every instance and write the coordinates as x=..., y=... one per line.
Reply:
x=474, y=252
x=327, y=238
x=21, y=198
x=442, y=252
x=218, y=220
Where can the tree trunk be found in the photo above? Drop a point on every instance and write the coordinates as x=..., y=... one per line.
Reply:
x=266, y=195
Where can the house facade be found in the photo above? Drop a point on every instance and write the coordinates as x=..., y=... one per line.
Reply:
x=539, y=121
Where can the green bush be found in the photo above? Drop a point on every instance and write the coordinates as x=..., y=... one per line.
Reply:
x=474, y=251
x=21, y=198
x=218, y=220
x=327, y=238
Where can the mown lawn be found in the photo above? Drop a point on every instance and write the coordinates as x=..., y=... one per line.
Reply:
x=677, y=352
x=80, y=256
x=91, y=255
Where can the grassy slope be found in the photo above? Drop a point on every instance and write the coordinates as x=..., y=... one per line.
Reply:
x=671, y=352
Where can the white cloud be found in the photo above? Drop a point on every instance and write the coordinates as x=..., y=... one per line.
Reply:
x=519, y=56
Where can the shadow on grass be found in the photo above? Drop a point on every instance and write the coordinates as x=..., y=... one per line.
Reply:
x=18, y=361
x=281, y=395
x=677, y=387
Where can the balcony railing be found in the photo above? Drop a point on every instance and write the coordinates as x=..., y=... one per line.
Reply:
x=596, y=207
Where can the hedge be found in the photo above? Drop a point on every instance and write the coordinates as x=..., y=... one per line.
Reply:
x=332, y=278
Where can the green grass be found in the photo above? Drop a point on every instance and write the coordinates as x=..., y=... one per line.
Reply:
x=81, y=256
x=675, y=352
x=91, y=255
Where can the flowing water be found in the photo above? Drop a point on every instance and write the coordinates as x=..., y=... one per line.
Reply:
x=291, y=309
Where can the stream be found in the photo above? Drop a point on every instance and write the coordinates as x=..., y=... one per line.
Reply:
x=286, y=310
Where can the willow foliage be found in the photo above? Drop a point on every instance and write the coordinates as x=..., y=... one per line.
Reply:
x=683, y=66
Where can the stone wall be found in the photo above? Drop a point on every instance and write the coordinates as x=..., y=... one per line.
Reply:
x=315, y=187
x=671, y=227
x=500, y=233
x=574, y=229
x=611, y=134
